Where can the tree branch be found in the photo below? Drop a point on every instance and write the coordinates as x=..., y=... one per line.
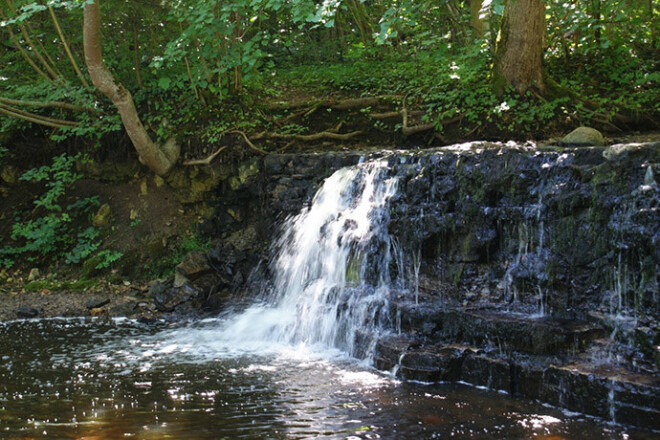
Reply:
x=26, y=36
x=76, y=69
x=47, y=104
x=36, y=119
x=25, y=56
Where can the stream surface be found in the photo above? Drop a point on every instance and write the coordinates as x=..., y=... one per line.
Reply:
x=76, y=379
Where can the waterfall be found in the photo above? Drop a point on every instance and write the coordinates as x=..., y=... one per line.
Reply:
x=330, y=267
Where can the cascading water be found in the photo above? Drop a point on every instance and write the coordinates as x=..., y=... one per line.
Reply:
x=330, y=268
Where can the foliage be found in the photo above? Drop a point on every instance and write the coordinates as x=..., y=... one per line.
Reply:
x=199, y=69
x=106, y=258
x=164, y=267
x=57, y=229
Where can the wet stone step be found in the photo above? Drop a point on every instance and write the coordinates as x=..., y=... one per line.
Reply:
x=506, y=331
x=442, y=364
x=611, y=393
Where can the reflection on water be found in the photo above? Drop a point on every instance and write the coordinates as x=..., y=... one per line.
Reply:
x=120, y=379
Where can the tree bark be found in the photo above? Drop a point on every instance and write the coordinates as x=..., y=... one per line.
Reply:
x=159, y=158
x=477, y=23
x=519, y=52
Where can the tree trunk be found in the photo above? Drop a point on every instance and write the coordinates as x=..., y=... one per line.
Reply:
x=519, y=52
x=160, y=159
x=476, y=21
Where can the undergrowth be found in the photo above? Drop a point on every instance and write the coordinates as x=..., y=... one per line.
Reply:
x=58, y=229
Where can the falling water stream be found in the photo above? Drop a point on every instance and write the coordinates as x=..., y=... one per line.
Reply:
x=293, y=365
x=330, y=268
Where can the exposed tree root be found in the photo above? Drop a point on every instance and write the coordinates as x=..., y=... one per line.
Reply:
x=341, y=104
x=248, y=142
x=308, y=137
x=395, y=114
x=206, y=161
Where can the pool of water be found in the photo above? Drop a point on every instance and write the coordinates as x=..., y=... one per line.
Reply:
x=75, y=379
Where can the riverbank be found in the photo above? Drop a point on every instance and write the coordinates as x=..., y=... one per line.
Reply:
x=102, y=301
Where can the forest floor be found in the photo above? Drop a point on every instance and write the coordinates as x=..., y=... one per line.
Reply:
x=149, y=225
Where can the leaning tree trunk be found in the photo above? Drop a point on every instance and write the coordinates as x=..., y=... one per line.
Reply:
x=159, y=158
x=519, y=51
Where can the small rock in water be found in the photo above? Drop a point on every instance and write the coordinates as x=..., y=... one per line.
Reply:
x=147, y=320
x=27, y=312
x=99, y=312
x=583, y=137
x=97, y=303
x=33, y=275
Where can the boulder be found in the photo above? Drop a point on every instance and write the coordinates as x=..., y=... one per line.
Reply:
x=193, y=265
x=583, y=137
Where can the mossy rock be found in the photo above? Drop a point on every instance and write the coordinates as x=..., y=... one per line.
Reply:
x=76, y=286
x=108, y=171
x=584, y=137
x=89, y=269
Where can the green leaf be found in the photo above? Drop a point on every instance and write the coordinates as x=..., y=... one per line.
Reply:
x=164, y=82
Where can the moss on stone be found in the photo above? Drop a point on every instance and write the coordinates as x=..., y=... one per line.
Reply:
x=78, y=285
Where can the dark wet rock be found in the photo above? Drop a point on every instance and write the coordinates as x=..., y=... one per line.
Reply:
x=611, y=393
x=27, y=312
x=490, y=372
x=388, y=351
x=148, y=320
x=193, y=265
x=167, y=298
x=498, y=329
x=125, y=309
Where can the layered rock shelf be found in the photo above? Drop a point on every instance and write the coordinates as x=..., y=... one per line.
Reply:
x=523, y=269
